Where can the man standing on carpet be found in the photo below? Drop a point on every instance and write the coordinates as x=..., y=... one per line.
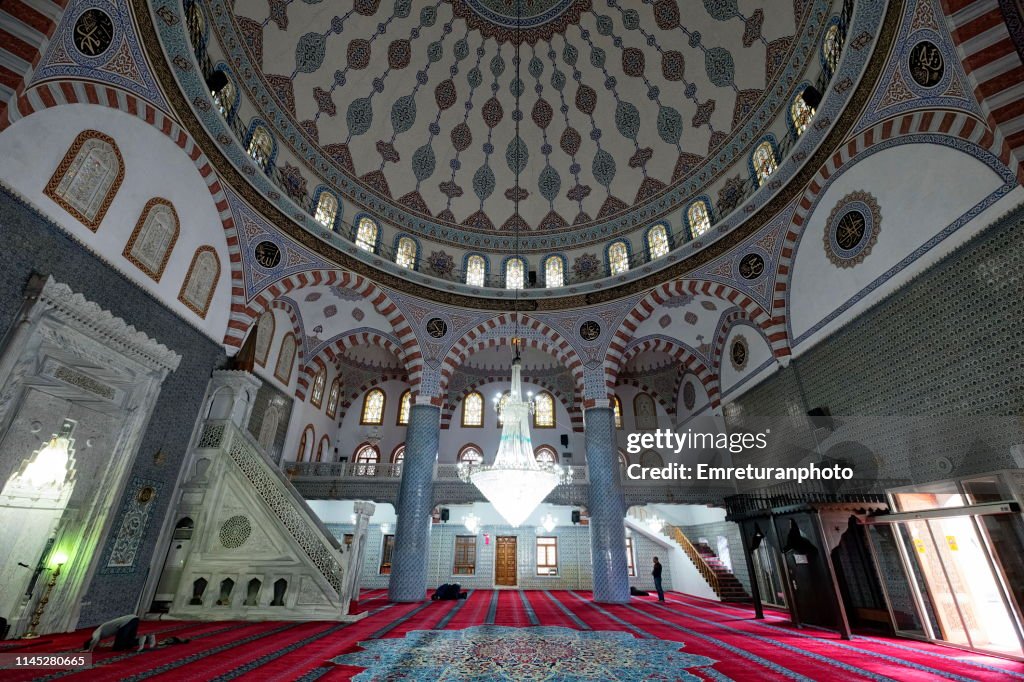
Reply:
x=657, y=579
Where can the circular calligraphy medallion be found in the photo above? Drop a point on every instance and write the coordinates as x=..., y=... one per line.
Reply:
x=267, y=254
x=93, y=32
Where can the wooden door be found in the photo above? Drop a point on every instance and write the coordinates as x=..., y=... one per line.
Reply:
x=505, y=561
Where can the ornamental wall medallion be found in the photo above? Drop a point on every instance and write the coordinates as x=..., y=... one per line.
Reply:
x=689, y=395
x=267, y=254
x=852, y=228
x=586, y=265
x=590, y=330
x=437, y=327
x=926, y=64
x=739, y=353
x=751, y=266
x=235, y=531
x=94, y=32
x=441, y=263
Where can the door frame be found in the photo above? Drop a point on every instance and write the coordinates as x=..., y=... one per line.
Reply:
x=497, y=543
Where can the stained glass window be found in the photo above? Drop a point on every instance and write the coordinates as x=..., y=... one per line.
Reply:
x=501, y=406
x=617, y=411
x=645, y=412
x=366, y=235
x=304, y=443
x=801, y=113
x=544, y=411
x=224, y=99
x=405, y=254
x=404, y=404
x=366, y=459
x=830, y=48
x=333, y=397
x=260, y=147
x=326, y=209
x=316, y=394
x=515, y=273
x=473, y=410
x=471, y=455
x=698, y=217
x=373, y=408
x=657, y=242
x=476, y=271
x=554, y=272
x=618, y=258
x=545, y=455
x=764, y=161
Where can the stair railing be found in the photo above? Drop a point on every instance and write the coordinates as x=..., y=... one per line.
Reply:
x=696, y=557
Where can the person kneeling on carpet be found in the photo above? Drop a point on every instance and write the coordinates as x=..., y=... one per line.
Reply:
x=448, y=591
x=124, y=630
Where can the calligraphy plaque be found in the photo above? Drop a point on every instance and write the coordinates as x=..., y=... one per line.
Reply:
x=267, y=254
x=751, y=266
x=93, y=33
x=590, y=330
x=926, y=63
x=851, y=229
x=738, y=353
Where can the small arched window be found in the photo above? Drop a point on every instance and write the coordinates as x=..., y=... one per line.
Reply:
x=764, y=161
x=545, y=454
x=225, y=97
x=544, y=411
x=657, y=241
x=366, y=459
x=471, y=455
x=618, y=257
x=800, y=113
x=699, y=218
x=617, y=411
x=645, y=412
x=830, y=49
x=476, y=271
x=305, y=443
x=366, y=234
x=515, y=273
x=261, y=147
x=502, y=402
x=554, y=272
x=404, y=406
x=373, y=408
x=316, y=393
x=398, y=456
x=473, y=410
x=623, y=460
x=405, y=253
x=326, y=209
x=333, y=398
x=285, y=359
x=323, y=448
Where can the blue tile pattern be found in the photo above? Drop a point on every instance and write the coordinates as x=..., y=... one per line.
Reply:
x=607, y=509
x=415, y=503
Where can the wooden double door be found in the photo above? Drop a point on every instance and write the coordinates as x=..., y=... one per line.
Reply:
x=505, y=561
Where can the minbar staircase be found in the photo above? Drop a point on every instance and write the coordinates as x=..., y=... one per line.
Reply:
x=718, y=576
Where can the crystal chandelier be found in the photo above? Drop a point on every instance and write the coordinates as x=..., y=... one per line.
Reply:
x=515, y=483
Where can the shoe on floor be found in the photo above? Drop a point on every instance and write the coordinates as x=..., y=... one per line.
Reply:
x=151, y=641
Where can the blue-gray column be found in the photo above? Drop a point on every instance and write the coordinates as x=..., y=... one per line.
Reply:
x=607, y=508
x=415, y=503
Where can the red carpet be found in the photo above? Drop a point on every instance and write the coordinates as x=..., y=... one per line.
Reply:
x=745, y=649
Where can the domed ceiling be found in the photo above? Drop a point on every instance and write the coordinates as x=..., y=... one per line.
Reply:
x=621, y=102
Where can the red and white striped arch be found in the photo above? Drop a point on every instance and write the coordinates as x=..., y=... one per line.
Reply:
x=575, y=414
x=682, y=354
x=349, y=397
x=485, y=335
x=336, y=348
x=26, y=27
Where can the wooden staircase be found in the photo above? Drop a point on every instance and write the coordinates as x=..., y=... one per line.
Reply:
x=717, y=575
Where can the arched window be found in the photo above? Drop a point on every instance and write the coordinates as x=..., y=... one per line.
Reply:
x=264, y=337
x=323, y=449
x=657, y=241
x=398, y=458
x=830, y=49
x=333, y=397
x=554, y=272
x=515, y=273
x=404, y=406
x=618, y=257
x=623, y=460
x=476, y=271
x=316, y=393
x=501, y=406
x=764, y=161
x=373, y=408
x=800, y=112
x=305, y=443
x=405, y=253
x=699, y=218
x=545, y=454
x=544, y=411
x=88, y=177
x=366, y=234
x=645, y=412
x=201, y=281
x=224, y=99
x=366, y=459
x=326, y=209
x=473, y=410
x=471, y=455
x=285, y=359
x=149, y=247
x=617, y=411
x=261, y=146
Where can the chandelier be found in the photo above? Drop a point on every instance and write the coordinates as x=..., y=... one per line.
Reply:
x=515, y=483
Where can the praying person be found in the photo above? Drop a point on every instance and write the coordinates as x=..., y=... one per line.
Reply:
x=657, y=579
x=124, y=630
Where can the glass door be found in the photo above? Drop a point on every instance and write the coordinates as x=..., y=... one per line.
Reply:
x=769, y=582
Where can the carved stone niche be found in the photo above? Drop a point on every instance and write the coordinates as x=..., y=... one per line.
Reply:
x=66, y=360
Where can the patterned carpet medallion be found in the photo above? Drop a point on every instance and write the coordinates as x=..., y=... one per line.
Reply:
x=537, y=654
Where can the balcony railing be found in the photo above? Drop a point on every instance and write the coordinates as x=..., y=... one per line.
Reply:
x=725, y=206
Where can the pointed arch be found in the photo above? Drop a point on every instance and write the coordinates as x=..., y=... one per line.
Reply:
x=684, y=354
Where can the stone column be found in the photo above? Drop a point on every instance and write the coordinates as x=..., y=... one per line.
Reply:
x=411, y=555
x=607, y=507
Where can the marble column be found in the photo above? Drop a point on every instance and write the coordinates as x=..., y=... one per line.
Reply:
x=411, y=555
x=607, y=507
